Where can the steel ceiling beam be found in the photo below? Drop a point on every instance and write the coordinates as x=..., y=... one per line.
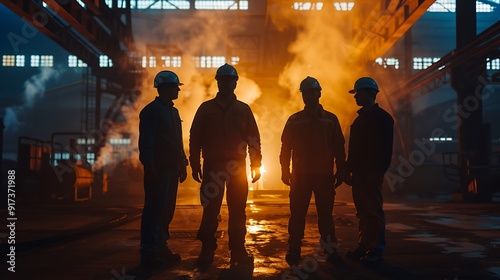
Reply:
x=85, y=23
x=384, y=26
x=53, y=28
x=112, y=20
x=438, y=74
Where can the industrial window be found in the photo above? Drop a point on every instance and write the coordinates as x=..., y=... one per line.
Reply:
x=105, y=61
x=389, y=61
x=183, y=4
x=152, y=61
x=73, y=61
x=119, y=141
x=82, y=141
x=171, y=61
x=243, y=5
x=91, y=158
x=441, y=139
x=221, y=5
x=420, y=63
x=19, y=60
x=307, y=6
x=449, y=6
x=209, y=61
x=159, y=4
x=235, y=60
x=148, y=61
x=35, y=61
x=343, y=6
x=484, y=7
x=8, y=60
x=493, y=64
x=46, y=61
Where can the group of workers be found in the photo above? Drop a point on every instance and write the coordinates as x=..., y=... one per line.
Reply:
x=224, y=131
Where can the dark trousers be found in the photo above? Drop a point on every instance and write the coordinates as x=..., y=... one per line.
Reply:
x=367, y=196
x=300, y=197
x=160, y=191
x=216, y=175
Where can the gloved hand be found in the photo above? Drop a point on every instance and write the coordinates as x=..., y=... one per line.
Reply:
x=348, y=178
x=197, y=175
x=339, y=177
x=182, y=174
x=255, y=174
x=286, y=177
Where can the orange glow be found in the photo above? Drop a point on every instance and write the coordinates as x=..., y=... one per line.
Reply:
x=320, y=50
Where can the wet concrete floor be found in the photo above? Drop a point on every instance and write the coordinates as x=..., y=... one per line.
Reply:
x=424, y=241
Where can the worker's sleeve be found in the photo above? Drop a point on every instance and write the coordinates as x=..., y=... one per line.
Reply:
x=183, y=159
x=195, y=137
x=148, y=125
x=253, y=139
x=339, y=146
x=286, y=147
x=385, y=142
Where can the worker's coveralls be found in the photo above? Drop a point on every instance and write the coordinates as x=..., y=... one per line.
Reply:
x=369, y=157
x=162, y=154
x=313, y=141
x=223, y=132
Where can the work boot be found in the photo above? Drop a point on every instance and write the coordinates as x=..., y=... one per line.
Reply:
x=152, y=261
x=206, y=257
x=168, y=256
x=373, y=257
x=356, y=254
x=241, y=257
x=293, y=257
x=333, y=256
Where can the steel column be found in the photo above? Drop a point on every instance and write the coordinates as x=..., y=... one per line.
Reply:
x=471, y=132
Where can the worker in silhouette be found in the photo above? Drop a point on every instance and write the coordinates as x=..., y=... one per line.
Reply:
x=313, y=141
x=369, y=157
x=222, y=131
x=162, y=155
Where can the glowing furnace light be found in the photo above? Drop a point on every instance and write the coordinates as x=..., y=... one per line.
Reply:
x=259, y=183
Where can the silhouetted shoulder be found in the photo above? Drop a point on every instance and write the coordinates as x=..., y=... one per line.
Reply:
x=382, y=114
x=242, y=105
x=149, y=109
x=208, y=102
x=294, y=116
x=330, y=115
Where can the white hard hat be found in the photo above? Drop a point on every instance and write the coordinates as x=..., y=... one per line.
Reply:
x=165, y=77
x=364, y=82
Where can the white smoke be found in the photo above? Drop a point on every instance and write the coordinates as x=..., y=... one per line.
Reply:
x=204, y=32
x=34, y=90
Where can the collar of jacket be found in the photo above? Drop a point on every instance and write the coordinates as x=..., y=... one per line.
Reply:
x=314, y=111
x=164, y=102
x=365, y=110
x=225, y=102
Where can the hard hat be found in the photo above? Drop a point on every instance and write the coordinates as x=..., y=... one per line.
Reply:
x=309, y=83
x=165, y=77
x=364, y=82
x=226, y=70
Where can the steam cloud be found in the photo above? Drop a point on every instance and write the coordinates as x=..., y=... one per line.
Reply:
x=202, y=33
x=320, y=51
x=34, y=89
